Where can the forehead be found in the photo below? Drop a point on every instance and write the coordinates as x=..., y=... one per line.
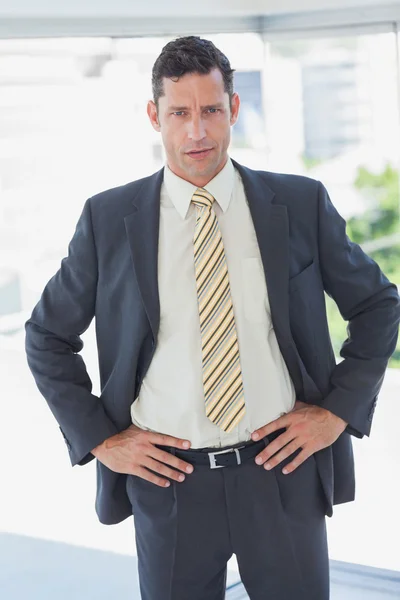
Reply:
x=193, y=87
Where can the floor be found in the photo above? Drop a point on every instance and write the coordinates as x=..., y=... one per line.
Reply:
x=39, y=570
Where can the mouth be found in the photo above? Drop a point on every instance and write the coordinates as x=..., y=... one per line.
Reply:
x=199, y=154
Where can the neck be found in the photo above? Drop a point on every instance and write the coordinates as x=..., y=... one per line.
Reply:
x=198, y=181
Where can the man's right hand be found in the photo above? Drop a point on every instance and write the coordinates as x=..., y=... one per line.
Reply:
x=132, y=450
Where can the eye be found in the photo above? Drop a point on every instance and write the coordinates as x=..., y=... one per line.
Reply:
x=178, y=113
x=214, y=109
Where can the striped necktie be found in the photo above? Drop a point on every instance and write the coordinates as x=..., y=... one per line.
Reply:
x=222, y=376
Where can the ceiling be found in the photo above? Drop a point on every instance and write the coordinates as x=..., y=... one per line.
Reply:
x=177, y=8
x=44, y=18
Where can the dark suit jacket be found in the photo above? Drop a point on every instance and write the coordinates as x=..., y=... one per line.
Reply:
x=111, y=273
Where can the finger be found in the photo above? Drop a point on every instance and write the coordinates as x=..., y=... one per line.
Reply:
x=163, y=469
x=287, y=451
x=168, y=440
x=277, y=444
x=294, y=464
x=279, y=423
x=148, y=476
x=171, y=459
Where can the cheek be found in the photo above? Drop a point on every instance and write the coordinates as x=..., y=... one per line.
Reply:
x=174, y=146
x=175, y=136
x=221, y=129
x=170, y=139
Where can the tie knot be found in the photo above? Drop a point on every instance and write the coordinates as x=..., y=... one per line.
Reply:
x=202, y=198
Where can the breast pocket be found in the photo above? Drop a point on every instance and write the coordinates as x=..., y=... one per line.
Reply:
x=255, y=299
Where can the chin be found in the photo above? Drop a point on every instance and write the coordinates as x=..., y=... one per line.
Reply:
x=204, y=165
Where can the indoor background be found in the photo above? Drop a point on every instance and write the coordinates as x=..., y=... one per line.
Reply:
x=319, y=83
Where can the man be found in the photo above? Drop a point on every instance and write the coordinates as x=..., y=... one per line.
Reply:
x=207, y=282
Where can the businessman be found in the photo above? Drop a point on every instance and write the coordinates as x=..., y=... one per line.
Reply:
x=224, y=424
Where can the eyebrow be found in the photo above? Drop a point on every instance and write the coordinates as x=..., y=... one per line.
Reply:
x=215, y=105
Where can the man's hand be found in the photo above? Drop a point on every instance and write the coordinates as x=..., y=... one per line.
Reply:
x=132, y=450
x=308, y=426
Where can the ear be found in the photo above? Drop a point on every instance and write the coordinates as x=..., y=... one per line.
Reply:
x=152, y=113
x=235, y=108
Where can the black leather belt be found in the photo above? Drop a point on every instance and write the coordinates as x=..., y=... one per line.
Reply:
x=224, y=457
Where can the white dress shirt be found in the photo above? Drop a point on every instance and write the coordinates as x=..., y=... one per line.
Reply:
x=171, y=398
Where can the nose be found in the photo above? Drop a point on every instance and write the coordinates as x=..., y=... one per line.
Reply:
x=196, y=129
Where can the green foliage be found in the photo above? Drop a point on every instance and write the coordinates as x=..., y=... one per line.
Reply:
x=310, y=163
x=338, y=332
x=381, y=220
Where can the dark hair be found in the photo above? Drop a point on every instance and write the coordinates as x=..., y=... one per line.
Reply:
x=190, y=54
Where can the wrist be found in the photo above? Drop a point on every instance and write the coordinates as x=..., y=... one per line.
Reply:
x=342, y=422
x=96, y=450
x=338, y=419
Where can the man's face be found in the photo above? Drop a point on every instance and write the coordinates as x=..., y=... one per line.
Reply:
x=195, y=120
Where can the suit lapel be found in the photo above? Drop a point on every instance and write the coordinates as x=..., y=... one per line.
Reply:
x=142, y=229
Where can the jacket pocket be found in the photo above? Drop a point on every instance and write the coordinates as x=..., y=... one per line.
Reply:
x=303, y=278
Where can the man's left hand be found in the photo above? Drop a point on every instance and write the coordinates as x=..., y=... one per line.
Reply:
x=308, y=426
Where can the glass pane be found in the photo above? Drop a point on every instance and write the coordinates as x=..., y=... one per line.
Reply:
x=332, y=113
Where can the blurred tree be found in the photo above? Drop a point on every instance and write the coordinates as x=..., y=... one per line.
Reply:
x=378, y=222
x=382, y=220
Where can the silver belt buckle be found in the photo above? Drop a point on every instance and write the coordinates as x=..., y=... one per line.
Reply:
x=211, y=455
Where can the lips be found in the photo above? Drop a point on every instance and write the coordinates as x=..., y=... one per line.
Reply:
x=199, y=153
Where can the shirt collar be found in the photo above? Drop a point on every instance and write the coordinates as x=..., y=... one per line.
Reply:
x=181, y=191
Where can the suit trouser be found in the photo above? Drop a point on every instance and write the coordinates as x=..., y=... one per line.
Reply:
x=274, y=523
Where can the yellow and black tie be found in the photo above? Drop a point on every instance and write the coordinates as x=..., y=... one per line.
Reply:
x=222, y=376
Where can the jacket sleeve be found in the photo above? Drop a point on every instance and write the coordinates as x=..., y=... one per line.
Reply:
x=371, y=305
x=52, y=343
